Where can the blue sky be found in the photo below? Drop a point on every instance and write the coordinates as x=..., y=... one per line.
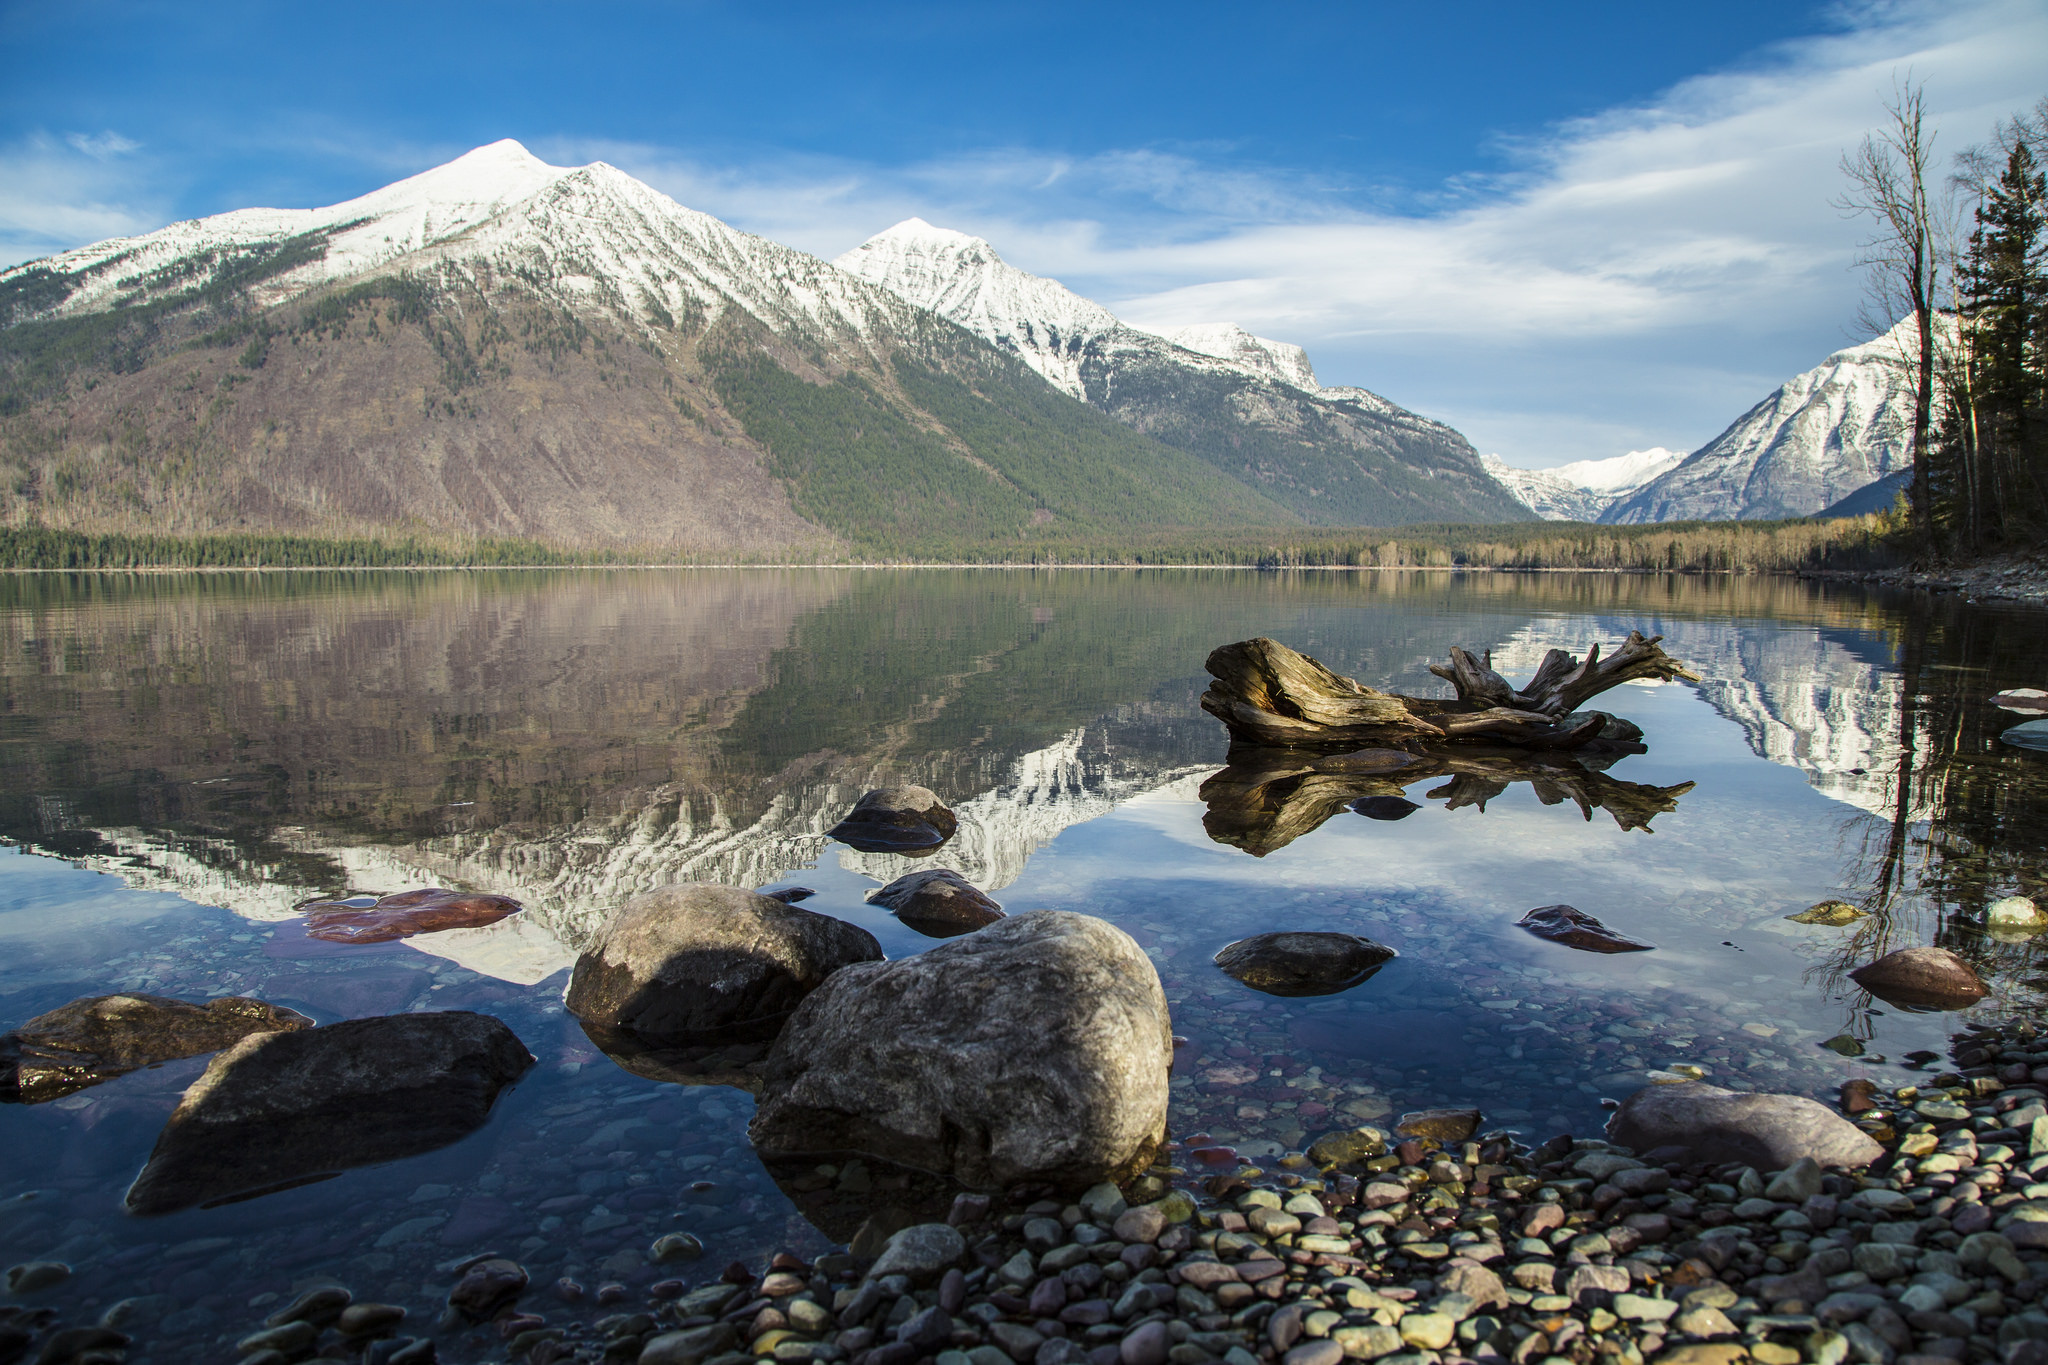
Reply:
x=1569, y=230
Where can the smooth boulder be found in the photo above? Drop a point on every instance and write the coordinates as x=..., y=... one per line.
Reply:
x=1574, y=928
x=1922, y=979
x=1032, y=1052
x=906, y=820
x=282, y=1109
x=939, y=903
x=104, y=1036
x=1712, y=1125
x=1296, y=964
x=700, y=960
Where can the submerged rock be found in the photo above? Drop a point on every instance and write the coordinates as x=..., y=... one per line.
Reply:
x=1574, y=928
x=426, y=911
x=1833, y=913
x=700, y=960
x=939, y=903
x=283, y=1109
x=2013, y=910
x=1444, y=1125
x=2025, y=700
x=1769, y=1132
x=1035, y=1050
x=682, y=1061
x=104, y=1036
x=789, y=895
x=2032, y=735
x=1384, y=807
x=1922, y=979
x=1297, y=964
x=906, y=820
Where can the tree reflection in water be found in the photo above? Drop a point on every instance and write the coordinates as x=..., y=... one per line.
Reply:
x=1963, y=818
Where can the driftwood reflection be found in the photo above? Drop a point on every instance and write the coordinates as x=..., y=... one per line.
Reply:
x=1267, y=798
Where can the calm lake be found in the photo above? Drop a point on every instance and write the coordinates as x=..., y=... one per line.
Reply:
x=183, y=759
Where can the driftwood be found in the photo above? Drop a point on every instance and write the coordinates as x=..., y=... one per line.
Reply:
x=1267, y=798
x=1269, y=695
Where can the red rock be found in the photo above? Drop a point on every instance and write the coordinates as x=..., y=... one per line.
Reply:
x=403, y=915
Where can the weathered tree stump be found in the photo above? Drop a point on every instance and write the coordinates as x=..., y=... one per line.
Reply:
x=1269, y=695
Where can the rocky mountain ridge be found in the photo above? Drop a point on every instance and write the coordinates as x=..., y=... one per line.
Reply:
x=500, y=347
x=1821, y=436
x=1250, y=406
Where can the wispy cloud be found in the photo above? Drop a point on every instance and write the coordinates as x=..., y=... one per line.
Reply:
x=59, y=192
x=1654, y=265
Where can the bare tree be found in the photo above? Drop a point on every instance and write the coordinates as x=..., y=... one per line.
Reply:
x=1887, y=178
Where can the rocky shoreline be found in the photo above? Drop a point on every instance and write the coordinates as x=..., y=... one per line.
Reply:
x=1441, y=1248
x=1996, y=578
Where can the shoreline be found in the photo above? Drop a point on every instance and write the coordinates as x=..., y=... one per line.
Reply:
x=1429, y=1251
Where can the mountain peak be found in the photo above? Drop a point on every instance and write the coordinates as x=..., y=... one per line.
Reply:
x=1227, y=341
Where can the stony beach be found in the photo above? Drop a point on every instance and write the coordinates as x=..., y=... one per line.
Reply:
x=1415, y=1250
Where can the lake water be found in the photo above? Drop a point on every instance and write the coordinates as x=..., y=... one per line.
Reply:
x=186, y=758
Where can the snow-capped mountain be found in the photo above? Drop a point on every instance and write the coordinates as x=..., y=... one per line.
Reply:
x=1582, y=490
x=1822, y=435
x=503, y=347
x=1251, y=406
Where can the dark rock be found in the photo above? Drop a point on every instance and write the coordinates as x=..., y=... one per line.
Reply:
x=1295, y=964
x=699, y=960
x=486, y=1287
x=365, y=919
x=1576, y=929
x=1444, y=1125
x=104, y=1036
x=73, y=1342
x=906, y=820
x=282, y=1109
x=939, y=903
x=790, y=895
x=1922, y=979
x=682, y=1060
x=1384, y=807
x=317, y=1306
x=1769, y=1132
x=1034, y=1050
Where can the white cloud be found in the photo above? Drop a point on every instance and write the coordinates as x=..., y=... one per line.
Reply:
x=56, y=194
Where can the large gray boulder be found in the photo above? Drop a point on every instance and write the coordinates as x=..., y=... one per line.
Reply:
x=1769, y=1132
x=907, y=820
x=1032, y=1052
x=281, y=1109
x=1306, y=963
x=939, y=903
x=103, y=1036
x=700, y=960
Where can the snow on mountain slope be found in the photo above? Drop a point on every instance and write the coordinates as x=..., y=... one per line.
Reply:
x=1227, y=341
x=1249, y=406
x=589, y=234
x=1050, y=327
x=1823, y=435
x=1582, y=490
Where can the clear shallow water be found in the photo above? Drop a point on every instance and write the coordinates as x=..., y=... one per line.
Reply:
x=186, y=757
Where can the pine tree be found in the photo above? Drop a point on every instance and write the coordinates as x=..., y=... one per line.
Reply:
x=1996, y=432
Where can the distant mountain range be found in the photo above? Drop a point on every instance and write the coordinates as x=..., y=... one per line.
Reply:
x=1833, y=441
x=1249, y=406
x=499, y=347
x=1583, y=490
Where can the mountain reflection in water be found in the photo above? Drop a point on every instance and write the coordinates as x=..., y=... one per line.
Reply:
x=568, y=739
